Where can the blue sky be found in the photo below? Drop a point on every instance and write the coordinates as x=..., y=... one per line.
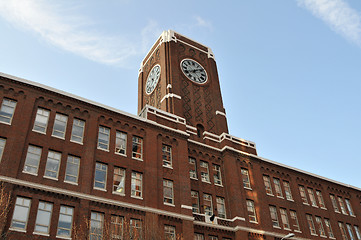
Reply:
x=289, y=69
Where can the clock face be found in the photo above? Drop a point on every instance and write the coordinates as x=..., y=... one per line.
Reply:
x=194, y=71
x=152, y=79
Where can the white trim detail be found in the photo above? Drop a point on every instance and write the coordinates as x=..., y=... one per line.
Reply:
x=220, y=113
x=170, y=95
x=93, y=198
x=169, y=85
x=186, y=207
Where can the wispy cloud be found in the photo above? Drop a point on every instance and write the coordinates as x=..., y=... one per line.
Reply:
x=200, y=22
x=70, y=32
x=342, y=18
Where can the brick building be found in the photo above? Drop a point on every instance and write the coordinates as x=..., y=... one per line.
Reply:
x=73, y=166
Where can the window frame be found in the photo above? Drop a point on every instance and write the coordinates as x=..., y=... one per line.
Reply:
x=267, y=181
x=204, y=174
x=73, y=136
x=44, y=210
x=303, y=194
x=74, y=164
x=278, y=187
x=121, y=139
x=295, y=222
x=98, y=171
x=334, y=203
x=137, y=177
x=193, y=172
x=3, y=105
x=19, y=207
x=221, y=204
x=169, y=232
x=312, y=197
x=328, y=228
x=252, y=216
x=320, y=199
x=99, y=220
x=246, y=181
x=167, y=158
x=71, y=215
x=28, y=158
x=311, y=225
x=57, y=158
x=61, y=123
x=168, y=184
x=37, y=122
x=208, y=209
x=349, y=207
x=342, y=205
x=137, y=142
x=2, y=147
x=274, y=216
x=288, y=192
x=193, y=194
x=217, y=175
x=116, y=226
x=119, y=175
x=103, y=143
x=321, y=229
x=284, y=218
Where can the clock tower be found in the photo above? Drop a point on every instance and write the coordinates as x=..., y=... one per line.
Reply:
x=180, y=76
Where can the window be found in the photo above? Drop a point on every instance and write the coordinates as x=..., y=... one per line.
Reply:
x=350, y=231
x=217, y=174
x=168, y=197
x=288, y=192
x=320, y=199
x=267, y=184
x=119, y=181
x=72, y=169
x=7, y=110
x=343, y=231
x=136, y=229
x=2, y=147
x=245, y=178
x=221, y=207
x=41, y=120
x=137, y=148
x=96, y=226
x=251, y=211
x=207, y=202
x=278, y=188
x=284, y=218
x=43, y=217
x=294, y=219
x=32, y=160
x=204, y=172
x=77, y=132
x=120, y=143
x=100, y=176
x=21, y=213
x=198, y=236
x=320, y=228
x=60, y=125
x=52, y=165
x=103, y=138
x=137, y=184
x=274, y=217
x=348, y=204
x=193, y=168
x=116, y=227
x=195, y=201
x=329, y=228
x=342, y=205
x=65, y=221
x=357, y=231
x=303, y=195
x=169, y=232
x=167, y=156
x=311, y=225
x=312, y=197
x=213, y=238
x=334, y=203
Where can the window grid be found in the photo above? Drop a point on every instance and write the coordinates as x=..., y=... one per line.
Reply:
x=245, y=178
x=329, y=228
x=204, y=171
x=213, y=238
x=21, y=213
x=348, y=205
x=119, y=181
x=103, y=138
x=295, y=224
x=350, y=231
x=136, y=185
x=77, y=132
x=311, y=225
x=267, y=185
x=42, y=224
x=2, y=147
x=343, y=231
x=221, y=207
x=320, y=199
x=195, y=202
x=121, y=143
x=303, y=195
x=100, y=176
x=52, y=165
x=41, y=120
x=193, y=168
x=137, y=148
x=65, y=221
x=59, y=127
x=217, y=174
x=334, y=203
x=168, y=195
x=312, y=197
x=208, y=206
x=96, y=226
x=274, y=216
x=288, y=192
x=357, y=231
x=342, y=205
x=320, y=228
x=72, y=169
x=284, y=218
x=169, y=232
x=198, y=236
x=7, y=110
x=32, y=160
x=167, y=155
x=251, y=211
x=278, y=188
x=116, y=227
x=136, y=229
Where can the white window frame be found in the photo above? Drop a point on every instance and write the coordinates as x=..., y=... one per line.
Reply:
x=54, y=157
x=284, y=219
x=167, y=160
x=204, y=174
x=43, y=208
x=7, y=103
x=343, y=230
x=221, y=207
x=80, y=124
x=137, y=185
x=303, y=194
x=36, y=152
x=342, y=205
x=321, y=229
x=198, y=236
x=96, y=219
x=2, y=147
x=119, y=181
x=217, y=175
x=312, y=197
x=136, y=224
x=288, y=192
x=100, y=168
x=349, y=207
x=208, y=208
x=137, y=143
x=21, y=203
x=357, y=231
x=267, y=185
x=278, y=187
x=245, y=179
x=66, y=212
x=71, y=162
x=116, y=227
x=295, y=223
x=168, y=188
x=334, y=203
x=320, y=199
x=41, y=113
x=193, y=172
x=251, y=211
x=195, y=195
x=169, y=232
x=329, y=228
x=62, y=121
x=103, y=138
x=121, y=143
x=350, y=231
x=274, y=217
x=311, y=224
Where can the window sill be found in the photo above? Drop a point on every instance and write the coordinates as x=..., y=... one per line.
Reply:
x=140, y=198
x=169, y=204
x=307, y=204
x=34, y=174
x=6, y=123
x=119, y=194
x=323, y=208
x=194, y=179
x=105, y=150
x=51, y=178
x=288, y=229
x=72, y=183
x=313, y=234
x=169, y=167
x=314, y=206
x=41, y=234
x=323, y=236
x=352, y=215
x=17, y=230
x=297, y=231
x=100, y=189
x=280, y=197
x=248, y=188
x=63, y=237
x=276, y=227
x=218, y=185
x=81, y=143
x=332, y=238
x=62, y=138
x=138, y=159
x=291, y=200
x=253, y=222
x=44, y=133
x=120, y=154
x=206, y=182
x=337, y=211
x=271, y=195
